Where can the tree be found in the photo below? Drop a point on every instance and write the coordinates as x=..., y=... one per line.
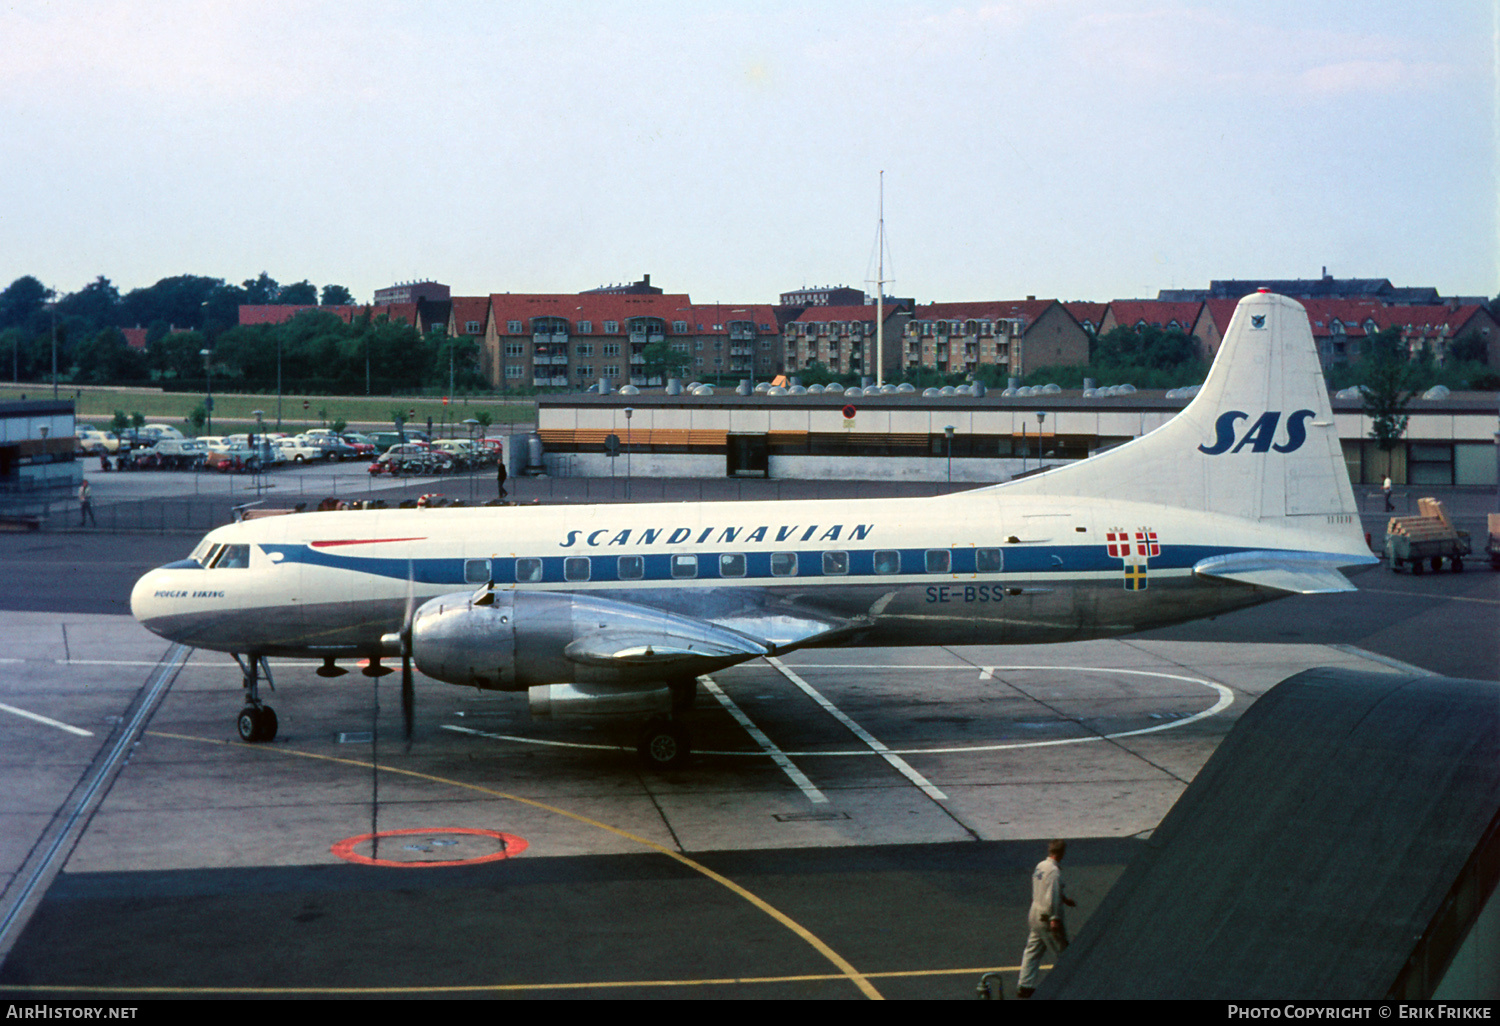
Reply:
x=1389, y=387
x=97, y=304
x=302, y=293
x=662, y=361
x=23, y=299
x=262, y=291
x=337, y=295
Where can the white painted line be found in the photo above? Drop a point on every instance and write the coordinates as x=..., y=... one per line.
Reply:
x=891, y=757
x=44, y=720
x=779, y=757
x=1224, y=700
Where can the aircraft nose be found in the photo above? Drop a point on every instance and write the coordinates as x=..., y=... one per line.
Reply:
x=151, y=594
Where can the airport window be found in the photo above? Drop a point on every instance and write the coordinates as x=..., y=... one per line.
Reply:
x=632, y=568
x=684, y=566
x=732, y=564
x=576, y=568
x=988, y=561
x=784, y=564
x=528, y=571
x=938, y=561
x=476, y=571
x=835, y=563
x=887, y=561
x=232, y=557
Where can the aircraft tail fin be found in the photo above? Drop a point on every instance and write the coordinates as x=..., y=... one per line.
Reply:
x=1258, y=441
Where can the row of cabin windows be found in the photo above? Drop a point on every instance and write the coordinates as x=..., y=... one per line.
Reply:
x=733, y=564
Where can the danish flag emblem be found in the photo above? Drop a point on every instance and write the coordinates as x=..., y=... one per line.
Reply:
x=1134, y=548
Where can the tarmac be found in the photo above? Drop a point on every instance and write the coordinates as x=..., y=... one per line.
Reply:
x=854, y=823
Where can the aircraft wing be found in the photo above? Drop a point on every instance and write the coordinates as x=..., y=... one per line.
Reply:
x=467, y=638
x=1300, y=573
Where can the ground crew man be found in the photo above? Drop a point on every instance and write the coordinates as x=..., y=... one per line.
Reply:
x=1047, y=931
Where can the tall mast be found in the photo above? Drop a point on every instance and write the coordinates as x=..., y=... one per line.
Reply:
x=880, y=291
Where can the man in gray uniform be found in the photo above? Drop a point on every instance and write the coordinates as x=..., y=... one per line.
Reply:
x=1047, y=932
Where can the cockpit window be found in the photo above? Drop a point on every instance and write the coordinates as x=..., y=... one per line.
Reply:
x=231, y=557
x=202, y=552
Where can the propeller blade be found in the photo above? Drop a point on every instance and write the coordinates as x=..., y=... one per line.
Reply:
x=408, y=693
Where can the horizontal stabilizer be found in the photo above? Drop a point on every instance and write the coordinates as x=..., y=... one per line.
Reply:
x=1300, y=573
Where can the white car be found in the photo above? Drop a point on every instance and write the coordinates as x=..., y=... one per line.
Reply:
x=96, y=442
x=296, y=451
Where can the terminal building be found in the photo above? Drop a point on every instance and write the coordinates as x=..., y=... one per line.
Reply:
x=979, y=439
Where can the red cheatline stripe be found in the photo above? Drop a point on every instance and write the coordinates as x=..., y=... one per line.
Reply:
x=361, y=541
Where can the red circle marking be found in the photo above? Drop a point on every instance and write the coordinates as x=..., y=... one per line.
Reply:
x=509, y=845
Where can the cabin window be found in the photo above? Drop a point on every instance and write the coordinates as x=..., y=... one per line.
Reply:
x=988, y=561
x=576, y=568
x=476, y=571
x=784, y=564
x=684, y=566
x=528, y=571
x=732, y=564
x=632, y=568
x=232, y=557
x=835, y=563
x=887, y=561
x=939, y=561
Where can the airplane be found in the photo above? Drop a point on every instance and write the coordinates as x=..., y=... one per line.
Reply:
x=616, y=609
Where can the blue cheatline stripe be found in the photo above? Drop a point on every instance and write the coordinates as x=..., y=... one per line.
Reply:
x=657, y=567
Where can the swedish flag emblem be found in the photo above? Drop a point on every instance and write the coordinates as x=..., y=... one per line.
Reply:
x=1135, y=577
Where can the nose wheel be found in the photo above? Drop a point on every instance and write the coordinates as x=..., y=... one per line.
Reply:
x=256, y=723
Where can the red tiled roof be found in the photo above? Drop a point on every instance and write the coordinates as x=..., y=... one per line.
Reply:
x=1026, y=310
x=600, y=307
x=135, y=338
x=1130, y=312
x=818, y=314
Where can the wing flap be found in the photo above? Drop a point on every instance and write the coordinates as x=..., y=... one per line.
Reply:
x=1300, y=573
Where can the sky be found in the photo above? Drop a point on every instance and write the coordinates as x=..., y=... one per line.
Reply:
x=1071, y=149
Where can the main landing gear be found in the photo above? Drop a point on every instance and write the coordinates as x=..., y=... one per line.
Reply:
x=664, y=742
x=257, y=721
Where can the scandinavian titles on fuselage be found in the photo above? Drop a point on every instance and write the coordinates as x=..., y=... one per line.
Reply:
x=607, y=536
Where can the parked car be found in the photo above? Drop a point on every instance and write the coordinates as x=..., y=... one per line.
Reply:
x=362, y=444
x=334, y=447
x=169, y=454
x=412, y=458
x=298, y=450
x=234, y=460
x=96, y=442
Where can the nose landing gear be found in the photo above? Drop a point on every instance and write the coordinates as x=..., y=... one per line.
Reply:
x=257, y=721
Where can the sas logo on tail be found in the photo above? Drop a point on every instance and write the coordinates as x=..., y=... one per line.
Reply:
x=1260, y=436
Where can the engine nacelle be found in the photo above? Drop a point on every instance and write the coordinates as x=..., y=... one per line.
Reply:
x=512, y=640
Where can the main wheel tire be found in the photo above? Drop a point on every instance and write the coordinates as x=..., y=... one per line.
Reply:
x=268, y=723
x=248, y=725
x=664, y=745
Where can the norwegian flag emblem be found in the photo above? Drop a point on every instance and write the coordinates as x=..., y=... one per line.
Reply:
x=1145, y=543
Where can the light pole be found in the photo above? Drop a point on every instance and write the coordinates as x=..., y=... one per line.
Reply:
x=53, y=307
x=262, y=451
x=629, y=412
x=1040, y=417
x=208, y=384
x=948, y=431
